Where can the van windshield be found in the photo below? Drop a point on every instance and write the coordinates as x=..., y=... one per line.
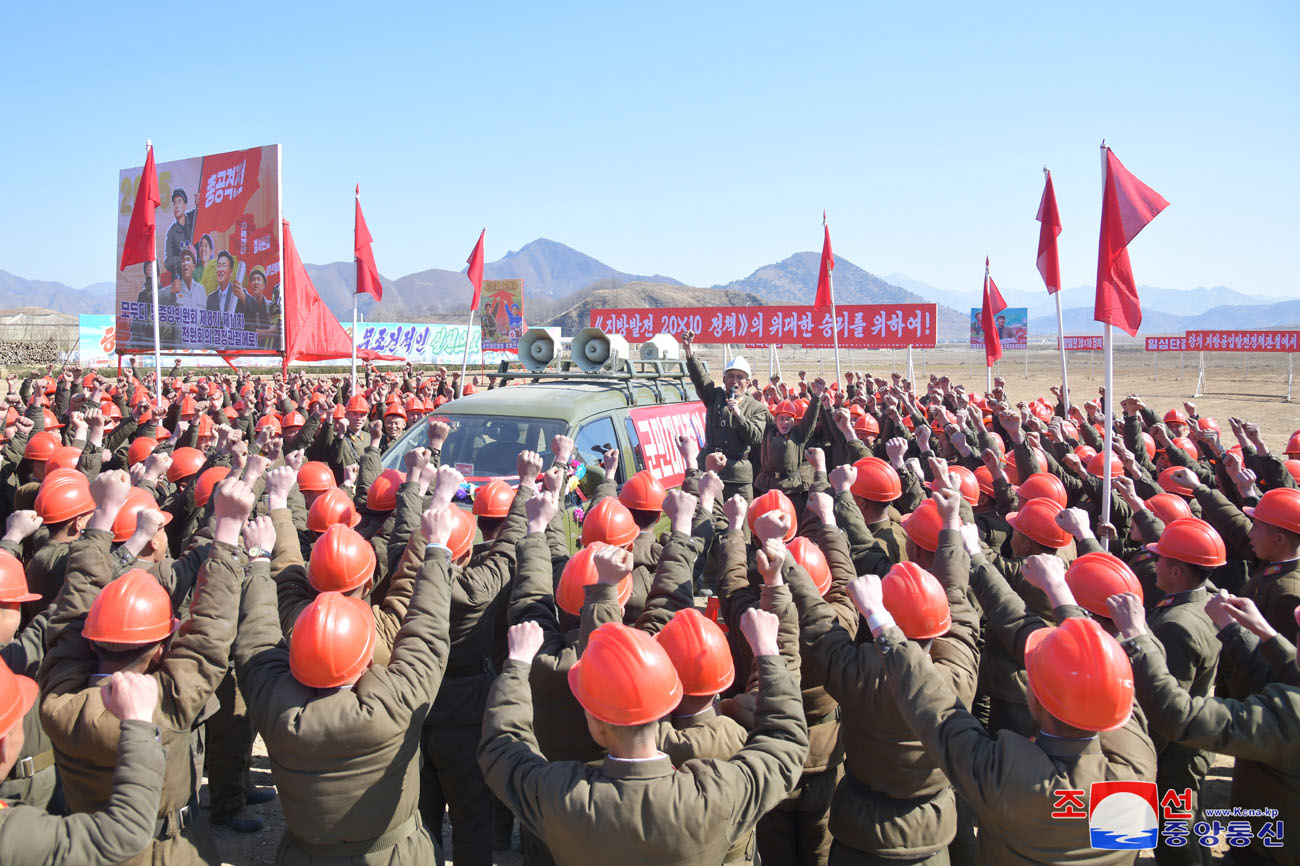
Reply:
x=483, y=446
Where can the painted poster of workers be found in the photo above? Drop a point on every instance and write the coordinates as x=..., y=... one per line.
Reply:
x=501, y=315
x=1012, y=324
x=218, y=235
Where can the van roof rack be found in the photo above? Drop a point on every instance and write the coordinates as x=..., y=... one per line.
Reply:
x=626, y=372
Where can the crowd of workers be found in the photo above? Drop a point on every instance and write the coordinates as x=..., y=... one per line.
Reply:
x=880, y=622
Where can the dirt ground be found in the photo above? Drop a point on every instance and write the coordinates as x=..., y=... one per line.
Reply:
x=1253, y=388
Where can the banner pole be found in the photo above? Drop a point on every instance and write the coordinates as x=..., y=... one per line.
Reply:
x=157, y=351
x=1200, y=373
x=1110, y=434
x=911, y=371
x=835, y=325
x=354, y=343
x=464, y=361
x=279, y=221
x=1290, y=360
x=1065, y=374
x=1026, y=356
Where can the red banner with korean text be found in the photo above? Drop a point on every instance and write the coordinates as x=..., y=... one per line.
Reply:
x=1243, y=341
x=1166, y=344
x=657, y=429
x=1083, y=344
x=861, y=326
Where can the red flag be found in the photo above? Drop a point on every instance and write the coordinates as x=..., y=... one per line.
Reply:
x=993, y=304
x=141, y=243
x=227, y=182
x=475, y=272
x=1049, y=262
x=825, y=297
x=1127, y=205
x=367, y=272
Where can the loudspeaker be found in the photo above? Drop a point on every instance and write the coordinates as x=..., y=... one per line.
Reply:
x=595, y=350
x=539, y=348
x=660, y=347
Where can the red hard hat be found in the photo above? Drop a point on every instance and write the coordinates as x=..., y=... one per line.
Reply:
x=341, y=560
x=137, y=499
x=358, y=405
x=1149, y=444
x=1174, y=416
x=64, y=457
x=208, y=481
x=64, y=494
x=338, y=412
x=806, y=552
x=395, y=409
x=493, y=499
x=877, y=481
x=866, y=425
x=1042, y=485
x=204, y=426
x=1095, y=577
x=967, y=483
x=1208, y=423
x=17, y=695
x=51, y=420
x=268, y=423
x=1097, y=466
x=1085, y=453
x=1189, y=448
x=41, y=446
x=1037, y=520
x=773, y=500
x=331, y=507
x=314, y=475
x=609, y=521
x=643, y=492
x=13, y=581
x=985, y=479
x=1293, y=466
x=917, y=601
x=292, y=419
x=1009, y=467
x=333, y=641
x=1278, y=507
x=1293, y=445
x=922, y=526
x=140, y=449
x=382, y=495
x=1080, y=675
x=1168, y=507
x=801, y=406
x=185, y=462
x=699, y=652
x=786, y=407
x=1193, y=541
x=188, y=406
x=1169, y=485
x=580, y=572
x=625, y=677
x=462, y=534
x=133, y=610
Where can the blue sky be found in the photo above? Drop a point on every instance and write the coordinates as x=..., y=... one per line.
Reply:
x=697, y=140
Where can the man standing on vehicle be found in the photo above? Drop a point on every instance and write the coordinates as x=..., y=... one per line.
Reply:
x=734, y=422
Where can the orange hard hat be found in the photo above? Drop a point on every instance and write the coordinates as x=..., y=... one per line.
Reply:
x=773, y=500
x=17, y=695
x=625, y=677
x=395, y=408
x=1080, y=675
x=1169, y=485
x=579, y=573
x=341, y=560
x=967, y=484
x=866, y=425
x=1095, y=577
x=1293, y=466
x=133, y=610
x=338, y=412
x=140, y=449
x=609, y=521
x=1036, y=520
x=877, y=481
x=1293, y=445
x=801, y=406
x=493, y=499
x=1208, y=423
x=137, y=499
x=382, y=495
x=314, y=475
x=1191, y=540
x=917, y=601
x=1041, y=409
x=806, y=552
x=643, y=492
x=13, y=581
x=462, y=534
x=1042, y=485
x=1278, y=507
x=270, y=424
x=185, y=462
x=1085, y=453
x=64, y=457
x=188, y=406
x=357, y=405
x=331, y=507
x=985, y=480
x=207, y=482
x=1174, y=416
x=1189, y=448
x=468, y=389
x=1168, y=507
x=1097, y=466
x=922, y=525
x=1009, y=467
x=40, y=447
x=333, y=641
x=699, y=652
x=293, y=419
x=785, y=407
x=64, y=494
x=1149, y=444
x=204, y=426
x=51, y=420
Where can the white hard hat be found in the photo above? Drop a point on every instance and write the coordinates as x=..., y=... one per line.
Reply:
x=738, y=363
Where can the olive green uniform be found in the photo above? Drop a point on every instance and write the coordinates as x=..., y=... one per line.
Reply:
x=731, y=434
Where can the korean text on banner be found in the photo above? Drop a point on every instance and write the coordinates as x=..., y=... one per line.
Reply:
x=1166, y=344
x=96, y=341
x=1243, y=341
x=861, y=326
x=423, y=343
x=1012, y=324
x=1083, y=344
x=219, y=259
x=501, y=315
x=657, y=429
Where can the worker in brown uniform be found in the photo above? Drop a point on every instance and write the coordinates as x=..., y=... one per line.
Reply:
x=635, y=806
x=124, y=828
x=32, y=780
x=734, y=421
x=342, y=734
x=1080, y=684
x=128, y=625
x=1262, y=732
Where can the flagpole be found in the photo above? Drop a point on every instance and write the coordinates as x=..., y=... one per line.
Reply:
x=153, y=279
x=1060, y=331
x=988, y=368
x=464, y=361
x=354, y=343
x=1108, y=402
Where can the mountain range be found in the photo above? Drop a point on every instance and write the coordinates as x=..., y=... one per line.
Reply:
x=563, y=284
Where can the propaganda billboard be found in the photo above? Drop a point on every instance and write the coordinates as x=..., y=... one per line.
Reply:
x=501, y=316
x=219, y=246
x=1013, y=328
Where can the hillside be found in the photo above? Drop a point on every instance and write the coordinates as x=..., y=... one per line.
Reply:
x=16, y=291
x=574, y=313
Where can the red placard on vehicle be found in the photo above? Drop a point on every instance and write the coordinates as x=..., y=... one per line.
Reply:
x=657, y=429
